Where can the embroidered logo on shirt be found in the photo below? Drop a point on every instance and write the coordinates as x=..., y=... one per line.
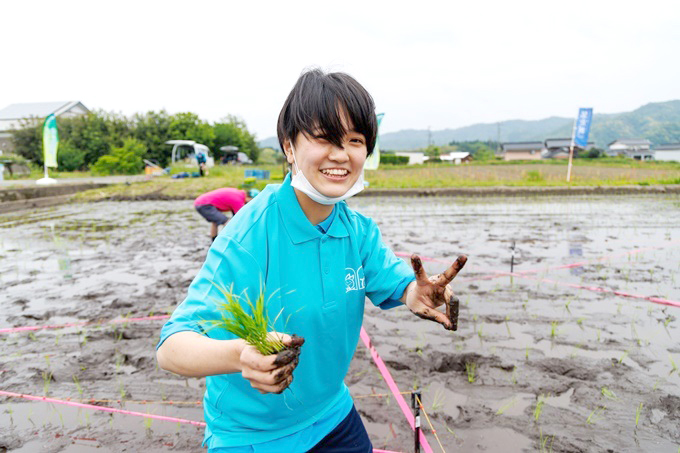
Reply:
x=354, y=279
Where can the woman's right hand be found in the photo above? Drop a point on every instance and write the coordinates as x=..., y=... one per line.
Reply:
x=271, y=373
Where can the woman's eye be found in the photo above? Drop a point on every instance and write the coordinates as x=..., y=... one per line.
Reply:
x=358, y=141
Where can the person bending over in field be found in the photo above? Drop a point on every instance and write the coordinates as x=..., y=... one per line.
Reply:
x=213, y=204
x=316, y=260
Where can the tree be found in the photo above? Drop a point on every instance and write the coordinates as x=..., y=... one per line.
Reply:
x=433, y=152
x=27, y=140
x=232, y=130
x=126, y=160
x=153, y=130
x=70, y=158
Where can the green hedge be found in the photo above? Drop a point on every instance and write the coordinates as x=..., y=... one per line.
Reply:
x=393, y=159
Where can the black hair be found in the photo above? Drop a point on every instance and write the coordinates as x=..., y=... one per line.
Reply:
x=317, y=103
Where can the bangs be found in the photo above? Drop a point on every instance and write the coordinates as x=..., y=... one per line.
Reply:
x=328, y=106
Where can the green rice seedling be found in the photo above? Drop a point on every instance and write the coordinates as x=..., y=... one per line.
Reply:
x=675, y=367
x=453, y=433
x=438, y=400
x=526, y=353
x=56, y=339
x=567, y=306
x=470, y=370
x=507, y=406
x=513, y=375
x=595, y=415
x=32, y=336
x=148, y=421
x=539, y=406
x=553, y=329
x=638, y=412
x=543, y=446
x=47, y=378
x=10, y=412
x=609, y=394
x=255, y=328
x=78, y=386
x=625, y=354
x=507, y=326
x=480, y=334
x=61, y=418
x=576, y=349
x=579, y=322
x=599, y=332
x=618, y=308
x=121, y=391
x=30, y=416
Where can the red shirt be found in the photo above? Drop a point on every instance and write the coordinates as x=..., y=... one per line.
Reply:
x=226, y=199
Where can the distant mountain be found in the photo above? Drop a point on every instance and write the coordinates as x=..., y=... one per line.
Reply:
x=271, y=142
x=659, y=122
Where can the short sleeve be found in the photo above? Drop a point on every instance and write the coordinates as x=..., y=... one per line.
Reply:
x=387, y=276
x=228, y=266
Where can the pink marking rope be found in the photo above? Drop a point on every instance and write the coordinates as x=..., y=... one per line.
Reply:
x=82, y=323
x=120, y=411
x=100, y=408
x=393, y=387
x=656, y=300
x=499, y=273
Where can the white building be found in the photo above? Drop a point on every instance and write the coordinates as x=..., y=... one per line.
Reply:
x=635, y=148
x=413, y=158
x=457, y=157
x=11, y=116
x=669, y=152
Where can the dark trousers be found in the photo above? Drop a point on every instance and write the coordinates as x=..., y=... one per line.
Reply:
x=349, y=436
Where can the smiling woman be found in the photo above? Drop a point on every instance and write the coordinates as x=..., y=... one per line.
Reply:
x=327, y=127
x=315, y=260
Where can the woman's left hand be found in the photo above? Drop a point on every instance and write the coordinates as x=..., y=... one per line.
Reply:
x=425, y=294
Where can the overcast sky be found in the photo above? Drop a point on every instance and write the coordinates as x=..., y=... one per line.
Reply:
x=438, y=64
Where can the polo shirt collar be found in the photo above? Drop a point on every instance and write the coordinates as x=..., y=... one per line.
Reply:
x=298, y=227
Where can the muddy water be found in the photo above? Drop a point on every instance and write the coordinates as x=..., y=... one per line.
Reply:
x=527, y=366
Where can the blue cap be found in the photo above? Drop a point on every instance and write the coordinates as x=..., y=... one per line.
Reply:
x=252, y=193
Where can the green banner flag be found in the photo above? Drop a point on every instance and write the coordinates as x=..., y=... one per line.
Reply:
x=373, y=160
x=50, y=141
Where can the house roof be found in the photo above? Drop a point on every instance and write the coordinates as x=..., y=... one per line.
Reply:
x=557, y=142
x=37, y=109
x=631, y=141
x=668, y=147
x=564, y=143
x=521, y=146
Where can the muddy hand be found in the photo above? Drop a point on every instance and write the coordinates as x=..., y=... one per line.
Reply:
x=432, y=292
x=272, y=373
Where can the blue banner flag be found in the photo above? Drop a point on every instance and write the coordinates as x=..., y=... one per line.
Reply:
x=582, y=128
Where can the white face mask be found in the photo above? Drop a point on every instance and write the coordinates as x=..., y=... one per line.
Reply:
x=303, y=185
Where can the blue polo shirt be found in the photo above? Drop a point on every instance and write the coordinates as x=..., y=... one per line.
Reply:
x=318, y=282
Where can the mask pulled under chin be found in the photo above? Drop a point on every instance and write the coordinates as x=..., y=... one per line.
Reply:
x=301, y=183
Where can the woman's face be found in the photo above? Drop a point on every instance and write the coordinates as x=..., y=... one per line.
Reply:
x=331, y=170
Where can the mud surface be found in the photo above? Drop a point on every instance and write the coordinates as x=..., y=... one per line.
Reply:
x=533, y=362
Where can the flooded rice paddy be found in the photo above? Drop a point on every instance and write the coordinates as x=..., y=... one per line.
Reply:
x=549, y=359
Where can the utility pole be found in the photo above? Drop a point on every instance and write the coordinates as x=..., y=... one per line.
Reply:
x=498, y=137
